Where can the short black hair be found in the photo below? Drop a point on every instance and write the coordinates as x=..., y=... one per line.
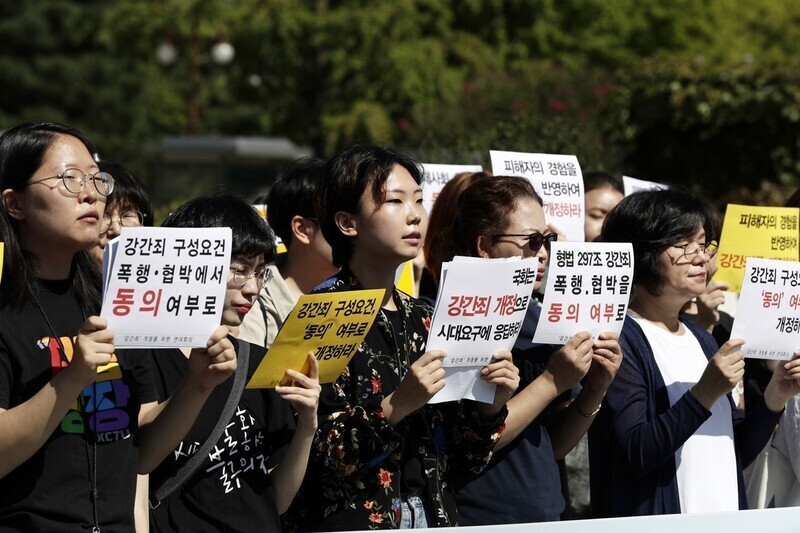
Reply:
x=293, y=195
x=348, y=176
x=251, y=235
x=129, y=192
x=596, y=179
x=653, y=220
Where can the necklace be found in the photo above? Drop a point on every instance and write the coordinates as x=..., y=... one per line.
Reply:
x=91, y=454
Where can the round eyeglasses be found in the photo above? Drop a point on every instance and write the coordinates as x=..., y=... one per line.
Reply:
x=691, y=249
x=242, y=274
x=127, y=219
x=75, y=181
x=535, y=240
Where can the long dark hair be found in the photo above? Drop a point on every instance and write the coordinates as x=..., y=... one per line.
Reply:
x=22, y=151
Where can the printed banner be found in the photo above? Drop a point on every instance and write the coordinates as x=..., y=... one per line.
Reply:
x=165, y=287
x=631, y=185
x=768, y=314
x=588, y=287
x=557, y=179
x=331, y=325
x=473, y=320
x=751, y=231
x=435, y=177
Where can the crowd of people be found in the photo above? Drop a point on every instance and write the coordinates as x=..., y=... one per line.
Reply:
x=110, y=439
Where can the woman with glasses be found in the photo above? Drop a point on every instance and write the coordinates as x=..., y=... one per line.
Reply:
x=669, y=438
x=73, y=432
x=502, y=216
x=258, y=463
x=128, y=207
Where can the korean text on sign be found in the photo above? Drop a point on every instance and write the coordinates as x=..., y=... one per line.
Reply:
x=768, y=312
x=330, y=325
x=588, y=287
x=164, y=287
x=435, y=177
x=557, y=179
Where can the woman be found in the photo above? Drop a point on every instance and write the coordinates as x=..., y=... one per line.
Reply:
x=260, y=460
x=70, y=444
x=383, y=457
x=601, y=193
x=668, y=419
x=502, y=216
x=128, y=207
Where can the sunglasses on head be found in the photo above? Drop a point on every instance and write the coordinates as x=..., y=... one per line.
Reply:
x=535, y=240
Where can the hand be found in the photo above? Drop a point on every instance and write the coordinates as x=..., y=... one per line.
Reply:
x=501, y=372
x=722, y=373
x=423, y=379
x=606, y=358
x=708, y=302
x=303, y=393
x=94, y=347
x=570, y=363
x=784, y=384
x=210, y=366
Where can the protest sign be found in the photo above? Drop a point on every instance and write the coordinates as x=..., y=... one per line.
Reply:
x=588, y=287
x=751, y=231
x=768, y=315
x=262, y=210
x=165, y=287
x=472, y=321
x=331, y=325
x=631, y=185
x=556, y=178
x=404, y=278
x=435, y=177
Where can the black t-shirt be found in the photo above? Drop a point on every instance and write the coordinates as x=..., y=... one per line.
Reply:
x=51, y=490
x=231, y=490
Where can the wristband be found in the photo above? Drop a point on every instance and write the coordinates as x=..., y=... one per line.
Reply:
x=586, y=415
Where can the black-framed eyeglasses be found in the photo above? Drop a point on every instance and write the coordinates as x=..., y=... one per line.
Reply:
x=243, y=273
x=691, y=249
x=535, y=240
x=129, y=218
x=74, y=180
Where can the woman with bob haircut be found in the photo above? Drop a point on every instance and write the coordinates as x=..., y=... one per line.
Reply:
x=669, y=438
x=383, y=457
x=76, y=422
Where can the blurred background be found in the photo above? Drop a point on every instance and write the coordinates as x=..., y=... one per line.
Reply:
x=197, y=96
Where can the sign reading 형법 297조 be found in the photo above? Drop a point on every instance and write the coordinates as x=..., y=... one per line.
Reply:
x=165, y=287
x=588, y=287
x=331, y=325
x=768, y=312
x=557, y=178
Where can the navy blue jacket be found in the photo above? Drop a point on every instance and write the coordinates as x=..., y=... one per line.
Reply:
x=633, y=441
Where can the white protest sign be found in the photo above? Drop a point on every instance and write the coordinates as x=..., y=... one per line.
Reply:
x=631, y=185
x=768, y=314
x=557, y=179
x=435, y=177
x=472, y=321
x=588, y=286
x=165, y=287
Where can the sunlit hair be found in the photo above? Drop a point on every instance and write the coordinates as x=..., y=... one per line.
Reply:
x=349, y=175
x=293, y=195
x=23, y=149
x=440, y=221
x=251, y=235
x=484, y=209
x=654, y=220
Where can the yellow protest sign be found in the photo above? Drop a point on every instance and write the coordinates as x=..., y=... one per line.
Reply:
x=262, y=210
x=331, y=325
x=751, y=231
x=404, y=278
x=2, y=255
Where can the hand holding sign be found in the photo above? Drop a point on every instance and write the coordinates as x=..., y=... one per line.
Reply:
x=606, y=358
x=303, y=393
x=722, y=373
x=570, y=363
x=423, y=379
x=94, y=348
x=502, y=373
x=210, y=366
x=784, y=384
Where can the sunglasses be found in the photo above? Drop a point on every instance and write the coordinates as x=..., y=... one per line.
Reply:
x=535, y=240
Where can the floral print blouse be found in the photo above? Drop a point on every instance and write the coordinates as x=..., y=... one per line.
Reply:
x=353, y=479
